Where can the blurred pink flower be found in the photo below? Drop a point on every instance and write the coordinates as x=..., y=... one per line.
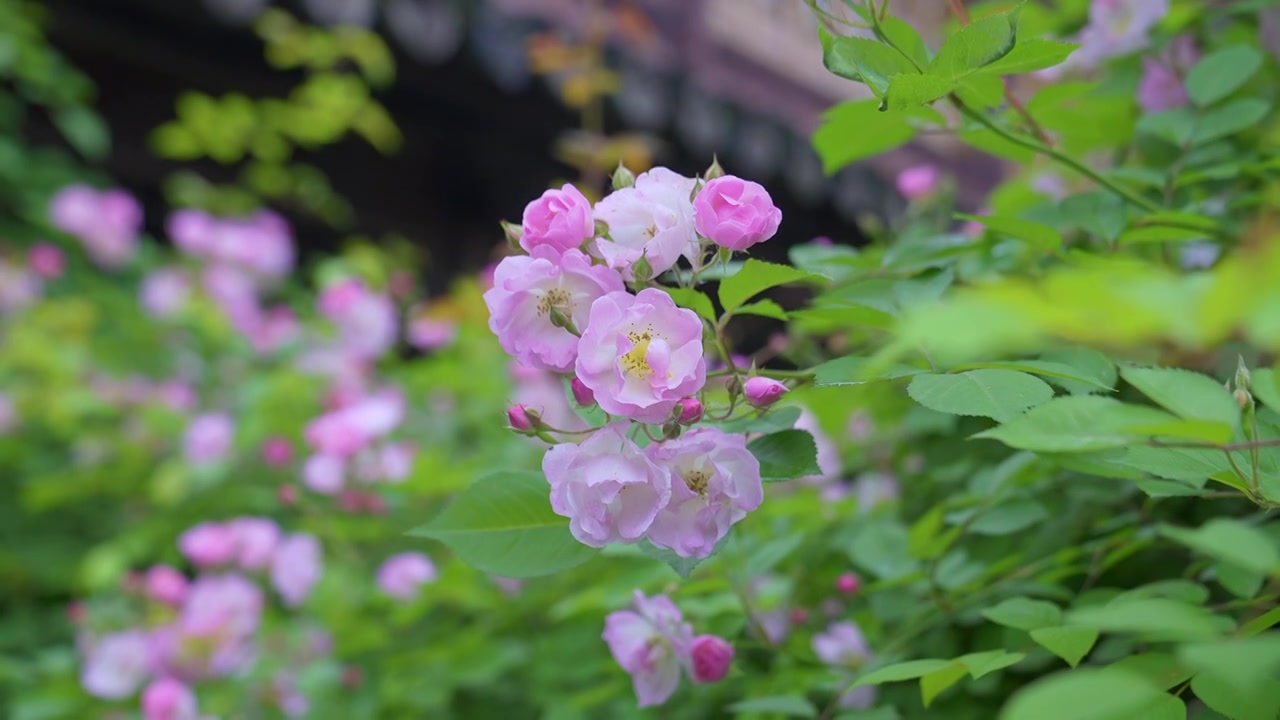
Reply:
x=401, y=575
x=296, y=567
x=366, y=321
x=918, y=181
x=209, y=438
x=165, y=292
x=208, y=544
x=651, y=644
x=46, y=260
x=167, y=585
x=277, y=451
x=106, y=222
x=255, y=540
x=116, y=665
x=168, y=699
x=19, y=287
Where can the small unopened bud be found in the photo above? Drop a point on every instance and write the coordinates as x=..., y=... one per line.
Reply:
x=287, y=494
x=799, y=616
x=522, y=418
x=671, y=430
x=513, y=233
x=352, y=676
x=1244, y=379
x=715, y=171
x=561, y=320
x=733, y=386
x=848, y=584
x=581, y=393
x=711, y=658
x=1243, y=398
x=641, y=269
x=623, y=178
x=690, y=411
x=762, y=391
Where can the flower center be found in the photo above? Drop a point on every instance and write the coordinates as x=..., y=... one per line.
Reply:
x=554, y=298
x=697, y=480
x=635, y=361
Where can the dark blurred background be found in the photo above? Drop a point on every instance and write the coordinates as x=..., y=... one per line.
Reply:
x=741, y=79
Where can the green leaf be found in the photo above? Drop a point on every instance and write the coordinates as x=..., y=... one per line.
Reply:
x=1024, y=613
x=1264, y=621
x=985, y=663
x=503, y=524
x=1216, y=690
x=1030, y=55
x=1091, y=367
x=857, y=129
x=755, y=277
x=1161, y=669
x=1069, y=643
x=1075, y=424
x=1083, y=694
x=1230, y=541
x=786, y=455
x=1242, y=583
x=1248, y=662
x=1160, y=617
x=1265, y=388
x=682, y=566
x=775, y=419
x=978, y=44
x=1187, y=464
x=904, y=37
x=863, y=60
x=897, y=672
x=85, y=130
x=1221, y=73
x=695, y=300
x=771, y=553
x=1185, y=393
x=882, y=549
x=1009, y=517
x=1226, y=120
x=1173, y=126
x=936, y=682
x=1166, y=707
x=1041, y=237
x=788, y=705
x=848, y=371
x=999, y=394
x=763, y=308
x=1060, y=371
x=1159, y=233
x=908, y=91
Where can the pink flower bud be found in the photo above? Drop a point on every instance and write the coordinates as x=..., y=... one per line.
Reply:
x=848, y=583
x=168, y=699
x=277, y=452
x=208, y=544
x=167, y=585
x=46, y=260
x=690, y=411
x=763, y=391
x=582, y=394
x=518, y=416
x=917, y=181
x=287, y=494
x=799, y=616
x=711, y=658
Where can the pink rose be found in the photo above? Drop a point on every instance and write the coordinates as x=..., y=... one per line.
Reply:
x=345, y=431
x=610, y=491
x=640, y=354
x=208, y=438
x=715, y=482
x=165, y=584
x=401, y=575
x=843, y=644
x=559, y=220
x=366, y=321
x=735, y=213
x=324, y=474
x=428, y=333
x=168, y=699
x=651, y=644
x=528, y=291
x=652, y=220
x=255, y=541
x=208, y=544
x=295, y=568
x=116, y=665
x=710, y=658
x=46, y=260
x=917, y=181
x=277, y=451
x=19, y=287
x=106, y=222
x=164, y=292
x=543, y=392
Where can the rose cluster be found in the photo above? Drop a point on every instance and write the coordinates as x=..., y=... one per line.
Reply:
x=585, y=301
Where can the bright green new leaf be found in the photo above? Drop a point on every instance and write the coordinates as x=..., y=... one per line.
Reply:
x=1083, y=694
x=1160, y=618
x=857, y=129
x=1159, y=233
x=785, y=455
x=788, y=705
x=1221, y=73
x=904, y=37
x=976, y=46
x=1040, y=237
x=909, y=91
x=755, y=277
x=1024, y=613
x=1069, y=643
x=503, y=524
x=1030, y=55
x=1265, y=621
x=1187, y=394
x=763, y=308
x=1265, y=388
x=695, y=300
x=936, y=682
x=985, y=663
x=897, y=672
x=1231, y=541
x=863, y=60
x=999, y=394
x=1076, y=424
